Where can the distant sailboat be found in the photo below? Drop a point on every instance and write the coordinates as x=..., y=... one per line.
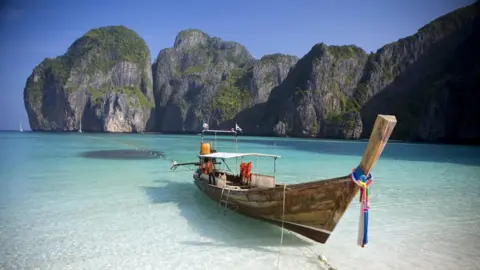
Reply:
x=80, y=130
x=21, y=129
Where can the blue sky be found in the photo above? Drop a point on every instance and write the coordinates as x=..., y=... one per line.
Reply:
x=33, y=30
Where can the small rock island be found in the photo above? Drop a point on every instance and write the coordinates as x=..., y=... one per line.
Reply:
x=103, y=83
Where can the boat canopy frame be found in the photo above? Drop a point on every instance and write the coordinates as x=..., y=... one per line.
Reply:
x=230, y=155
x=227, y=155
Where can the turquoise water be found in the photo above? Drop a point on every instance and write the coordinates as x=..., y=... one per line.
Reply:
x=61, y=208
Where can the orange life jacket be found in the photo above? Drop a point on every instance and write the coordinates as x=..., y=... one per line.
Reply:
x=246, y=169
x=209, y=166
x=242, y=168
x=206, y=167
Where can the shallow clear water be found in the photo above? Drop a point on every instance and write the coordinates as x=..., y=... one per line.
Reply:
x=63, y=207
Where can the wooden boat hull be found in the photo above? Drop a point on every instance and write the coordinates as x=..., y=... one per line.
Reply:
x=312, y=209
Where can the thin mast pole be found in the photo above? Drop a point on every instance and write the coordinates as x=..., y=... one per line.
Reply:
x=236, y=141
x=275, y=168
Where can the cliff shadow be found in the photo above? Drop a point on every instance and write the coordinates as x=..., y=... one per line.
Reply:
x=409, y=95
x=151, y=124
x=207, y=218
x=91, y=120
x=250, y=120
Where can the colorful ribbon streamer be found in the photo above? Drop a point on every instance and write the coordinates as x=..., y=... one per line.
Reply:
x=359, y=178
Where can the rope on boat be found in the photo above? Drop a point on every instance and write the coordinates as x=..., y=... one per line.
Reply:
x=283, y=219
x=322, y=258
x=137, y=147
x=222, y=195
x=359, y=178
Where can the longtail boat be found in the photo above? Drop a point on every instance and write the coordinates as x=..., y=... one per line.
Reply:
x=312, y=209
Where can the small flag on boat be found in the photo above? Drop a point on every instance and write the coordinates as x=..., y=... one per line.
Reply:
x=238, y=128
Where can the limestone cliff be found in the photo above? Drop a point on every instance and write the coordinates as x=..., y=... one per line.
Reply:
x=102, y=83
x=428, y=80
x=315, y=96
x=204, y=78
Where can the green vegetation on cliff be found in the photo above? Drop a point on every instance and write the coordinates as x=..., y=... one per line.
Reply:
x=193, y=69
x=201, y=77
x=345, y=51
x=96, y=51
x=106, y=66
x=233, y=95
x=108, y=45
x=50, y=71
x=135, y=97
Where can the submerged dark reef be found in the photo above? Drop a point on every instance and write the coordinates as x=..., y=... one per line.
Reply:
x=123, y=154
